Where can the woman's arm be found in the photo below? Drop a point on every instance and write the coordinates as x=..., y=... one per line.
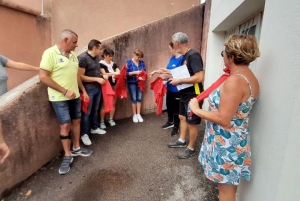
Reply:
x=110, y=74
x=130, y=72
x=231, y=96
x=20, y=66
x=4, y=150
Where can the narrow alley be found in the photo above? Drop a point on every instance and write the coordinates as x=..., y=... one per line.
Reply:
x=131, y=162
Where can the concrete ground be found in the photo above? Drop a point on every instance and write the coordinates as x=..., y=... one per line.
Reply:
x=131, y=162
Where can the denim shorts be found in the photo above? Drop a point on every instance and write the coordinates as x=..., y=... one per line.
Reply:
x=67, y=110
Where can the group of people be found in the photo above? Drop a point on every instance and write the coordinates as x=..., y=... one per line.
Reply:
x=71, y=80
x=225, y=152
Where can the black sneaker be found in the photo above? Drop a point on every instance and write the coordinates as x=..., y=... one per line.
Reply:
x=186, y=153
x=81, y=152
x=177, y=144
x=65, y=165
x=175, y=131
x=168, y=125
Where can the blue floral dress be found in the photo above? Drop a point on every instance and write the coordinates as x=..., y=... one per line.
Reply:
x=225, y=152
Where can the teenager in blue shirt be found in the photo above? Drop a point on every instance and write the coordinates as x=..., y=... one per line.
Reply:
x=173, y=95
x=134, y=68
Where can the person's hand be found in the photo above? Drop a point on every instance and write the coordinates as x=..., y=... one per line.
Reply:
x=4, y=152
x=105, y=77
x=70, y=94
x=164, y=70
x=85, y=96
x=117, y=73
x=194, y=104
x=163, y=76
x=100, y=80
x=174, y=81
x=140, y=78
x=154, y=72
x=137, y=72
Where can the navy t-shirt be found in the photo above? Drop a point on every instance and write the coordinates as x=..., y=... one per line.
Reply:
x=174, y=63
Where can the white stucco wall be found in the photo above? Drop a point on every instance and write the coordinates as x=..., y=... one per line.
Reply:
x=275, y=117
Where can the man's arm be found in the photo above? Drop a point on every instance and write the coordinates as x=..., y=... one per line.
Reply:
x=46, y=79
x=85, y=78
x=4, y=150
x=196, y=65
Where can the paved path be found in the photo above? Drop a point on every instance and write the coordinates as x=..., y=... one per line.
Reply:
x=131, y=162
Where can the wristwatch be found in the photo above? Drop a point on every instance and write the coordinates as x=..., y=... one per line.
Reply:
x=179, y=81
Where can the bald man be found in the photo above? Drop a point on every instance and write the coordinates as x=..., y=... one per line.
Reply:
x=59, y=71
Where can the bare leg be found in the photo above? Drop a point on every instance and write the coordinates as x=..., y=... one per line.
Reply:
x=112, y=113
x=76, y=132
x=139, y=108
x=193, y=131
x=102, y=115
x=134, y=108
x=227, y=192
x=64, y=131
x=183, y=127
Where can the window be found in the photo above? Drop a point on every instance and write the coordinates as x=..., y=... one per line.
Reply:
x=250, y=27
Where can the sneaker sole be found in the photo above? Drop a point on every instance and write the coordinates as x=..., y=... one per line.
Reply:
x=177, y=146
x=186, y=156
x=80, y=154
x=98, y=133
x=168, y=127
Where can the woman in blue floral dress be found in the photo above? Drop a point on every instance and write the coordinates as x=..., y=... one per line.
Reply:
x=226, y=153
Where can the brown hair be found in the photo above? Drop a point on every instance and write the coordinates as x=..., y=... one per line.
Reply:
x=243, y=48
x=139, y=53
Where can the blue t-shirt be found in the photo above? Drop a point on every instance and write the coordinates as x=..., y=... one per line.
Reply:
x=174, y=63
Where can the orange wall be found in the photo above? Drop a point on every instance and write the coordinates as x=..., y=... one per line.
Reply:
x=29, y=6
x=101, y=19
x=23, y=37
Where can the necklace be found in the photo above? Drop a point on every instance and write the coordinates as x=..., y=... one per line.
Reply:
x=238, y=71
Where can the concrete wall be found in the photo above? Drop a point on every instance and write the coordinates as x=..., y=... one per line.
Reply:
x=275, y=117
x=30, y=126
x=31, y=130
x=23, y=38
x=103, y=19
x=153, y=39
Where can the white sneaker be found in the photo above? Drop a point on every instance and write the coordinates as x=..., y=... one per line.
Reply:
x=86, y=140
x=98, y=131
x=135, y=119
x=139, y=117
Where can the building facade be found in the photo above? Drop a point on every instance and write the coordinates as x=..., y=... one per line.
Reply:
x=274, y=119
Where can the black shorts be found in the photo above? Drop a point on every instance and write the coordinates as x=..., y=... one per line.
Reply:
x=185, y=111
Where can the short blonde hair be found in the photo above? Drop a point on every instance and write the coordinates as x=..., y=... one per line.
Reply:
x=243, y=48
x=139, y=53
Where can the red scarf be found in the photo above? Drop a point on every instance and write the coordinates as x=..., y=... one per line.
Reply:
x=159, y=92
x=213, y=87
x=141, y=83
x=121, y=83
x=108, y=95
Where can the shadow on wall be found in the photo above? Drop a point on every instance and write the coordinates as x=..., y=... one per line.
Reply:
x=153, y=39
x=30, y=126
